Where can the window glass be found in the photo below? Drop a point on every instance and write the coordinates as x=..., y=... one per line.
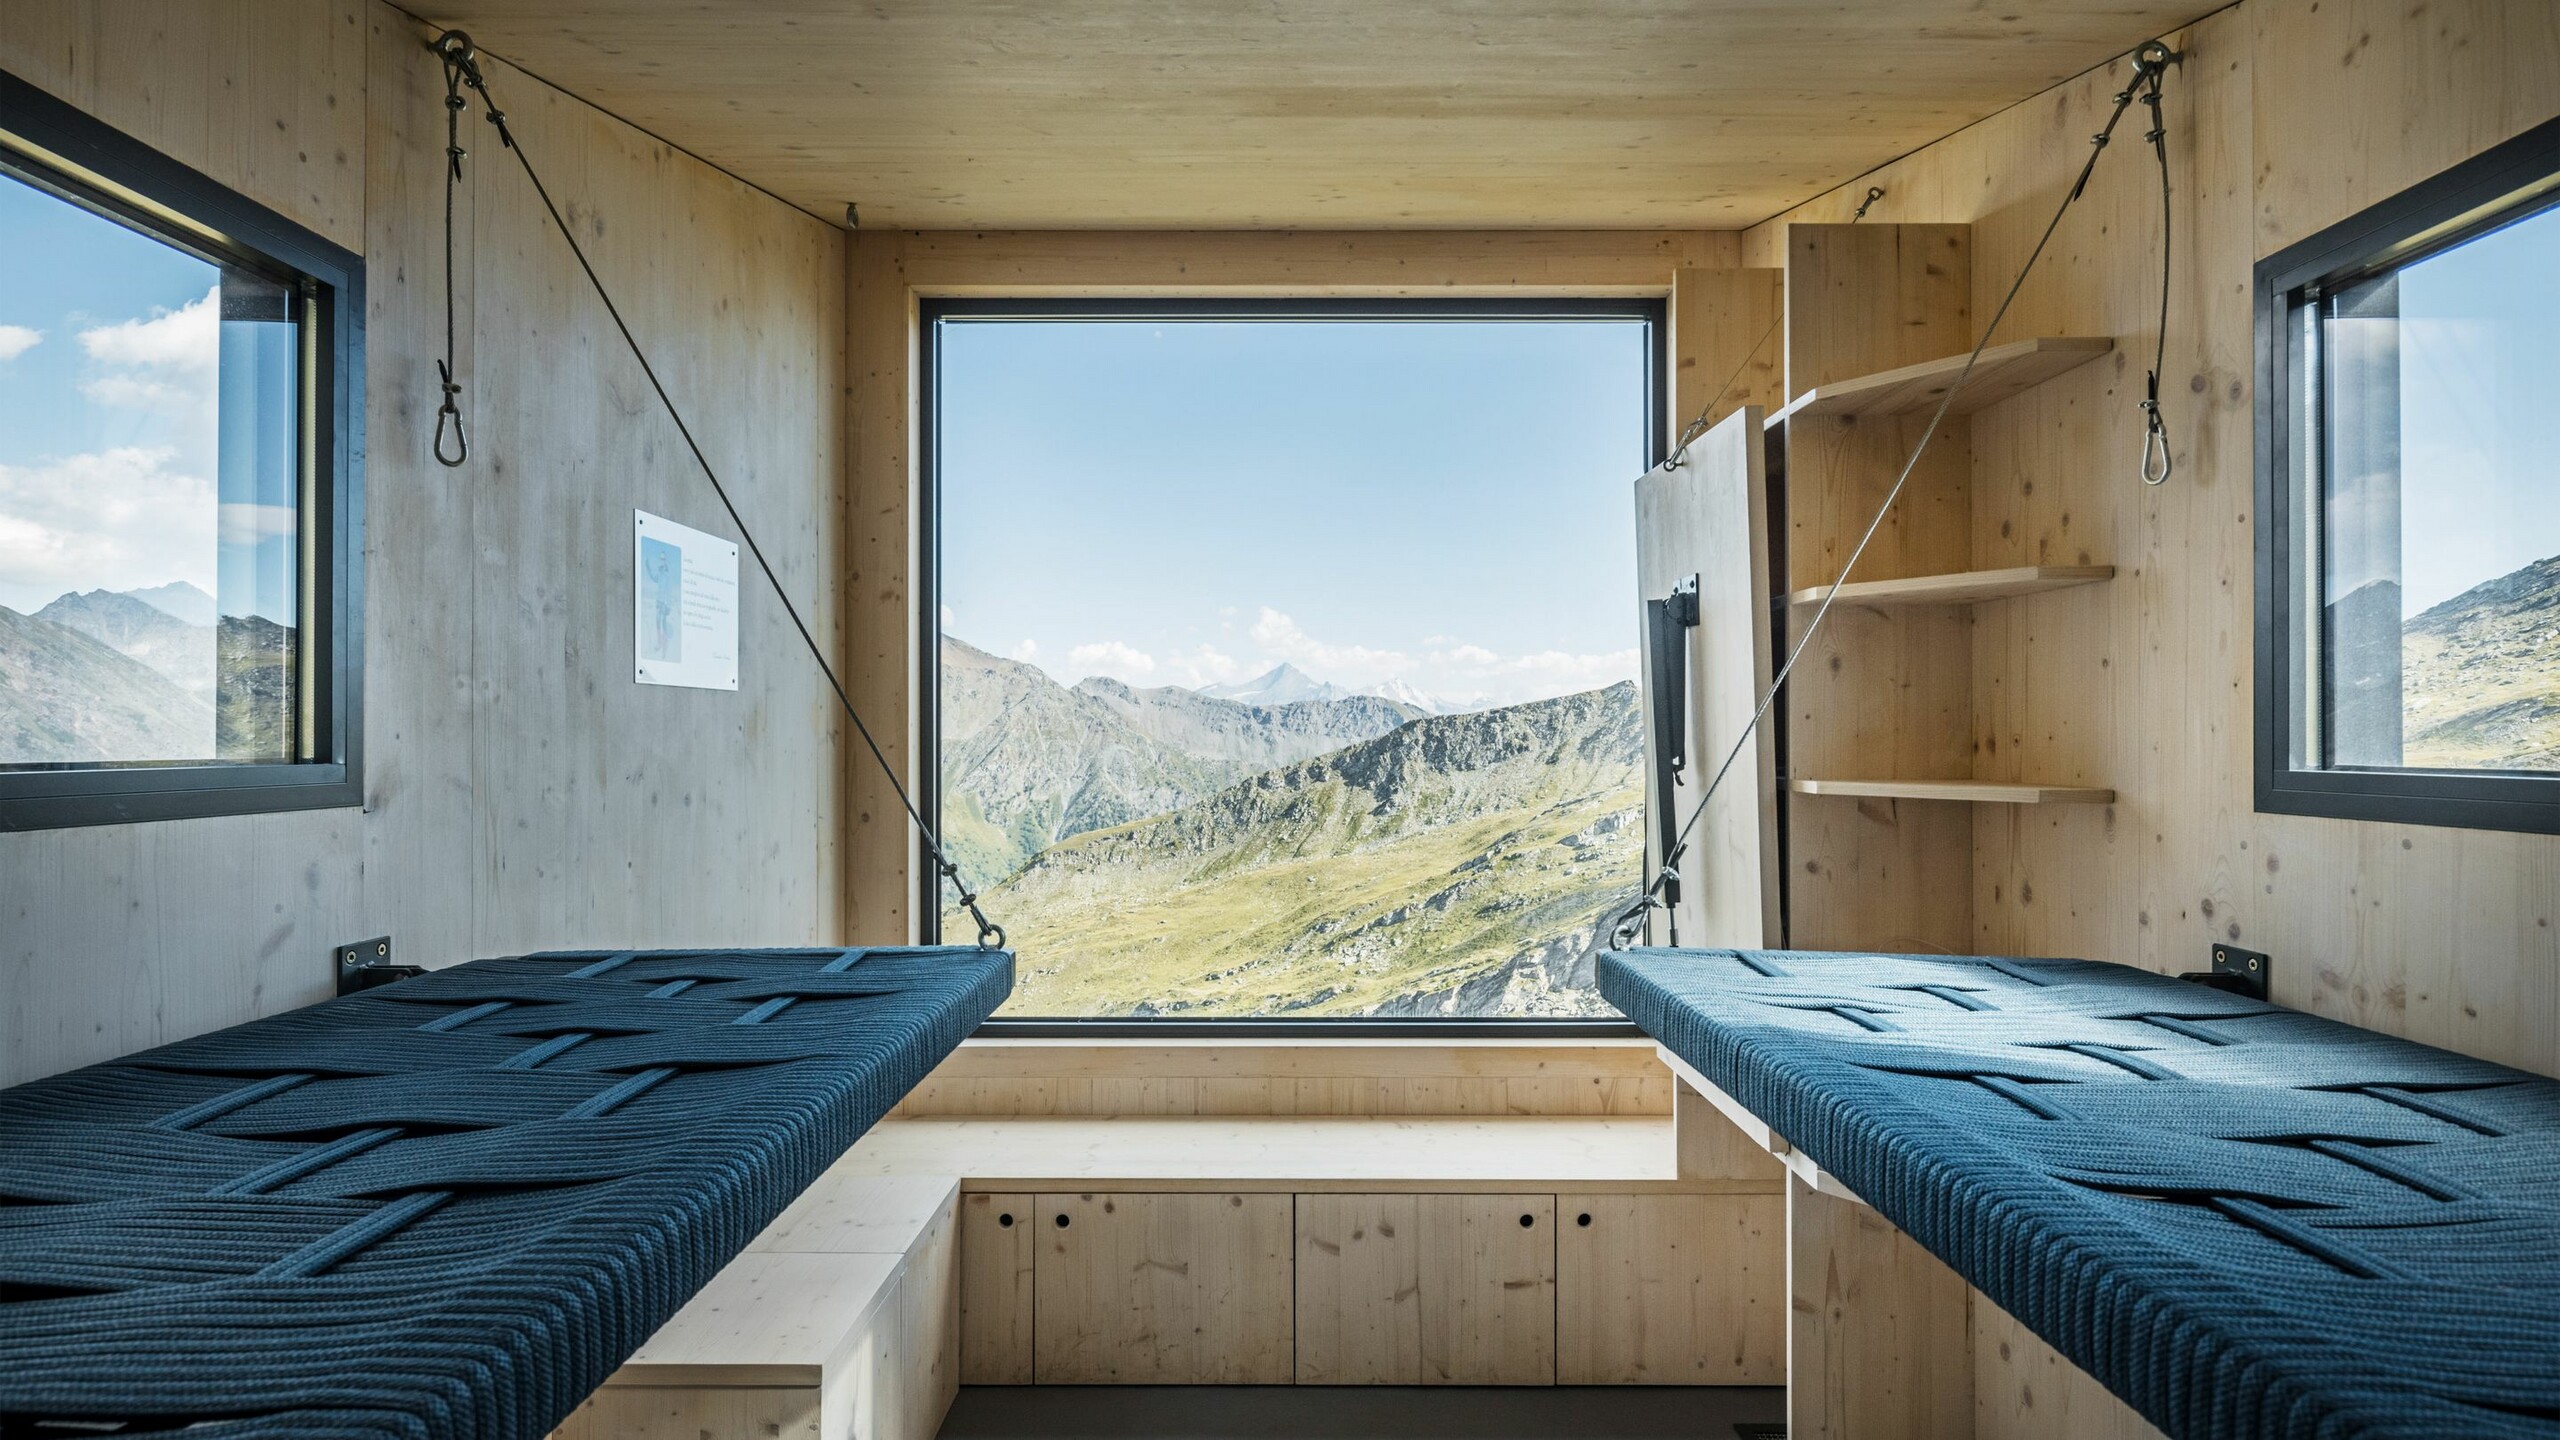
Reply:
x=2438, y=437
x=1287, y=665
x=150, y=460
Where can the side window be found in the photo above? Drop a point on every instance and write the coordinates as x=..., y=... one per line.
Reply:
x=178, y=490
x=2410, y=495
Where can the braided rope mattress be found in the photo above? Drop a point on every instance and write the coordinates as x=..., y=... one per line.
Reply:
x=448, y=1207
x=2243, y=1220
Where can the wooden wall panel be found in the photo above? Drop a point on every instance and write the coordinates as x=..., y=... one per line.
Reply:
x=520, y=791
x=1268, y=1077
x=1879, y=1336
x=889, y=269
x=2286, y=116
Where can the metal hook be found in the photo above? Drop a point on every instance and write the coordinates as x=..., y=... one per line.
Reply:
x=2156, y=462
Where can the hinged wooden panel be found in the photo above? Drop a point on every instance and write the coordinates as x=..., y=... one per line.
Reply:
x=1359, y=1289
x=1708, y=517
x=1187, y=1289
x=997, y=1239
x=1426, y=1290
x=1670, y=1290
x=1488, y=1289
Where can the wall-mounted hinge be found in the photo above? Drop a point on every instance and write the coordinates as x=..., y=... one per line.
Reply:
x=2239, y=971
x=367, y=963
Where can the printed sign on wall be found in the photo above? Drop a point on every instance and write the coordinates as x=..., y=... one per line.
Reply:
x=684, y=605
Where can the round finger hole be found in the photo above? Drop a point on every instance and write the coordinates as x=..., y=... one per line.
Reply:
x=1583, y=1220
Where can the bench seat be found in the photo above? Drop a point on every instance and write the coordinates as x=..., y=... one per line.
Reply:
x=2241, y=1219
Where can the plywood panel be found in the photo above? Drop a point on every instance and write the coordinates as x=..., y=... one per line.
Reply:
x=1670, y=1290
x=520, y=792
x=1708, y=516
x=1488, y=1289
x=1879, y=1343
x=997, y=1241
x=1359, y=1289
x=2286, y=116
x=978, y=114
x=1163, y=1290
x=2024, y=1390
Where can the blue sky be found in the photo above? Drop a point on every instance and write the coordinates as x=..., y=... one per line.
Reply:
x=2480, y=411
x=1189, y=502
x=111, y=351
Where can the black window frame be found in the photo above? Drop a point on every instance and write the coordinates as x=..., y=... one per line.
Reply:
x=2501, y=186
x=65, y=150
x=1652, y=311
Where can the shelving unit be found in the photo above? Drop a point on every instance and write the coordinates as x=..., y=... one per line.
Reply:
x=2003, y=371
x=1979, y=791
x=1964, y=588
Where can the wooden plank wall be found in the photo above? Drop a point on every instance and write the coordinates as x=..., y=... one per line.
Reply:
x=521, y=792
x=2286, y=116
x=889, y=269
x=999, y=1078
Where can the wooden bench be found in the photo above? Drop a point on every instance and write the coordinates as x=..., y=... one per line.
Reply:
x=839, y=1322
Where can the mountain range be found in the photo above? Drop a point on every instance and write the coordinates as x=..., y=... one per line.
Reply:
x=2480, y=675
x=1028, y=762
x=1457, y=864
x=1286, y=684
x=107, y=676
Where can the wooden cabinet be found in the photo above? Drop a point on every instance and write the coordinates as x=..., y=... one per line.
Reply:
x=1671, y=1290
x=1426, y=1289
x=997, y=1244
x=1185, y=1289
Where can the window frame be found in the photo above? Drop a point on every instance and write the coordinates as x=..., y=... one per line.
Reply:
x=67, y=151
x=1650, y=310
x=2501, y=186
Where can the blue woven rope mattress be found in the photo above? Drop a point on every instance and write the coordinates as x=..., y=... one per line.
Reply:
x=2243, y=1220
x=448, y=1207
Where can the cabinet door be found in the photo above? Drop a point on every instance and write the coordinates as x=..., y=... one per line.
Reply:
x=997, y=1238
x=1671, y=1290
x=1488, y=1289
x=1426, y=1289
x=1162, y=1290
x=1359, y=1289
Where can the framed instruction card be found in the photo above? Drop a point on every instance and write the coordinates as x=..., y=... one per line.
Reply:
x=684, y=605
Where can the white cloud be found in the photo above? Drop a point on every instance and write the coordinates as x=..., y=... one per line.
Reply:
x=1027, y=651
x=1356, y=664
x=17, y=340
x=187, y=339
x=114, y=519
x=1112, y=657
x=950, y=621
x=1462, y=674
x=245, y=524
x=1204, y=665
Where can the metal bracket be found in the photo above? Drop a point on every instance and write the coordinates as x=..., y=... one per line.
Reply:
x=367, y=963
x=2239, y=971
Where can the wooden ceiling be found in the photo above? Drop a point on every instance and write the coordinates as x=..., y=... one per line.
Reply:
x=1285, y=114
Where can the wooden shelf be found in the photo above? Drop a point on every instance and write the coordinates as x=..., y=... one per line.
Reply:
x=1963, y=589
x=1984, y=791
x=2003, y=371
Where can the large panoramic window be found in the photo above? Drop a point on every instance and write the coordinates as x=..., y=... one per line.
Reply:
x=169, y=471
x=2413, y=561
x=1287, y=656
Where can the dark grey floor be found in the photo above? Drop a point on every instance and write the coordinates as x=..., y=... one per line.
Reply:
x=1312, y=1412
